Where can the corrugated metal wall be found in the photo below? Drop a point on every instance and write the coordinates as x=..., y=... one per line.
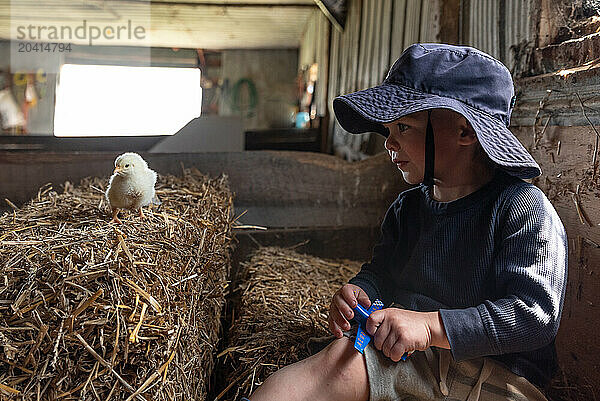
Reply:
x=494, y=26
x=376, y=33
x=519, y=25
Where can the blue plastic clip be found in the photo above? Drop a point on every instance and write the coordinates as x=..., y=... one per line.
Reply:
x=360, y=316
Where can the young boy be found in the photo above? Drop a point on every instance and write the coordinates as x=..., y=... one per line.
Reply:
x=473, y=261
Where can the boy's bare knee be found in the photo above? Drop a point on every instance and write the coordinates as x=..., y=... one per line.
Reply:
x=339, y=353
x=338, y=372
x=342, y=369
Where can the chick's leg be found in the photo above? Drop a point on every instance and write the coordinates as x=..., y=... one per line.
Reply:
x=142, y=214
x=115, y=218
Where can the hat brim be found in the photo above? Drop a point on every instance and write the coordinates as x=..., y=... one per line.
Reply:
x=366, y=110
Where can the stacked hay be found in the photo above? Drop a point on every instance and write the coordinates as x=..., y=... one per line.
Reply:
x=94, y=310
x=284, y=302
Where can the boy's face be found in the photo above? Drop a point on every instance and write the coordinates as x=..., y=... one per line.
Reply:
x=406, y=142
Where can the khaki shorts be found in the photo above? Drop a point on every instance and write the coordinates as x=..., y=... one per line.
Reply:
x=434, y=375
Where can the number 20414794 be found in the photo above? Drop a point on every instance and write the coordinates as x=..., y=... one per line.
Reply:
x=34, y=47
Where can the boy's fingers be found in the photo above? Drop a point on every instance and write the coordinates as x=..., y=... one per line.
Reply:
x=374, y=321
x=397, y=351
x=388, y=344
x=377, y=327
x=341, y=321
x=336, y=317
x=334, y=328
x=363, y=299
x=350, y=295
x=343, y=307
x=380, y=336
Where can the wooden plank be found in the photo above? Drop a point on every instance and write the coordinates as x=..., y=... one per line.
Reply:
x=376, y=48
x=324, y=35
x=398, y=26
x=386, y=31
x=311, y=215
x=450, y=21
x=354, y=39
x=50, y=143
x=279, y=189
x=558, y=97
x=412, y=26
x=355, y=243
x=365, y=46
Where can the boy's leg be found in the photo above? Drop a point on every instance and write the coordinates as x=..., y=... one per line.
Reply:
x=487, y=379
x=340, y=373
x=433, y=375
x=336, y=373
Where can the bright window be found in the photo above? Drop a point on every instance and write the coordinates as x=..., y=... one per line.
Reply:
x=100, y=100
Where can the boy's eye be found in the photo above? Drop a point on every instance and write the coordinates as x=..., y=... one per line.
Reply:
x=402, y=127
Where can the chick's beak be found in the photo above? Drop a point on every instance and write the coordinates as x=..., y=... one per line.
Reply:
x=117, y=170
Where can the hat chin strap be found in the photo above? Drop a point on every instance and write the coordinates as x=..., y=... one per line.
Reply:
x=429, y=153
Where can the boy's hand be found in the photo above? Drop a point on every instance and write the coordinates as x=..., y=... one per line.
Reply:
x=340, y=311
x=396, y=331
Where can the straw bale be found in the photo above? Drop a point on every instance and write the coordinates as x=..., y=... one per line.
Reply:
x=285, y=299
x=91, y=310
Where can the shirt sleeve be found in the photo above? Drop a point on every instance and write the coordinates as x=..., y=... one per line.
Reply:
x=531, y=271
x=372, y=277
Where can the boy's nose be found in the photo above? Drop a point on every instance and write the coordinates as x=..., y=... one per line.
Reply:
x=391, y=143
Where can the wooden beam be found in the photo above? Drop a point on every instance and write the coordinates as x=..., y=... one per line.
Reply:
x=236, y=4
x=355, y=243
x=277, y=188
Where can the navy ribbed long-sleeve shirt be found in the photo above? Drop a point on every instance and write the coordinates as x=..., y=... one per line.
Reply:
x=494, y=263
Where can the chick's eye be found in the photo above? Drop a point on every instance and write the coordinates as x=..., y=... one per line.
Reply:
x=127, y=165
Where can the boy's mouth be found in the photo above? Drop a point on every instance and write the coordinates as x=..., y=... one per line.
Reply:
x=400, y=163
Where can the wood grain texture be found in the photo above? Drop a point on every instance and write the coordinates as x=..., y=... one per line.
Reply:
x=565, y=171
x=278, y=189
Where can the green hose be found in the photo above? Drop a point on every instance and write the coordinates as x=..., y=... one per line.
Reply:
x=252, y=93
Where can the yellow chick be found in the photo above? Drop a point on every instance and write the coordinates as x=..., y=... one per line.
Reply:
x=131, y=186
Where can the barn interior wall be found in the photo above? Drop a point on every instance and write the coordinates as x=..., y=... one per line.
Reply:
x=259, y=86
x=270, y=72
x=41, y=117
x=565, y=155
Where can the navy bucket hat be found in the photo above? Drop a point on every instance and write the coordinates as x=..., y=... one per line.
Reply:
x=459, y=78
